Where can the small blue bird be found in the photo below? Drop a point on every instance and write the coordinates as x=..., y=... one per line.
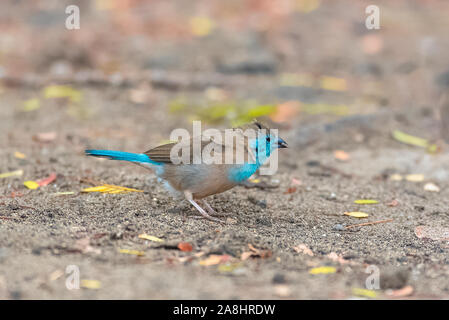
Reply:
x=193, y=180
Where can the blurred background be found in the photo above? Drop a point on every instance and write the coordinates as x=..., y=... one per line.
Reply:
x=222, y=61
x=364, y=113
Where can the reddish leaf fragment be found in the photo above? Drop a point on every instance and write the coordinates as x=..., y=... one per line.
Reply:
x=185, y=246
x=393, y=203
x=48, y=180
x=433, y=233
x=45, y=136
x=290, y=190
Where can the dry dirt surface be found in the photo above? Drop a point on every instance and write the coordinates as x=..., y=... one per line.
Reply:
x=287, y=235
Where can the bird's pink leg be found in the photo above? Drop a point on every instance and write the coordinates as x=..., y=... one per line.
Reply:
x=211, y=211
x=208, y=207
x=189, y=197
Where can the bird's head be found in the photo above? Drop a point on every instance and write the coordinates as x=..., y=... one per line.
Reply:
x=266, y=140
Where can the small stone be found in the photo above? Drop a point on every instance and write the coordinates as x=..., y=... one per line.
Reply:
x=338, y=227
x=332, y=196
x=278, y=278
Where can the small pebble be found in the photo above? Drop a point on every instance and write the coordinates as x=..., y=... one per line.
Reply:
x=332, y=196
x=338, y=227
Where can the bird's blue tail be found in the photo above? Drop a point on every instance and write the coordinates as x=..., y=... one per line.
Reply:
x=120, y=155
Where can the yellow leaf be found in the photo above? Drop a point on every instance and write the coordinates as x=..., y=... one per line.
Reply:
x=333, y=84
x=31, y=104
x=229, y=267
x=307, y=6
x=201, y=26
x=90, y=284
x=16, y=173
x=323, y=108
x=364, y=292
x=322, y=270
x=357, y=214
x=63, y=193
x=58, y=91
x=19, y=155
x=214, y=259
x=111, y=189
x=151, y=238
x=31, y=184
x=366, y=201
x=396, y=177
x=341, y=155
x=296, y=80
x=415, y=177
x=133, y=252
x=409, y=139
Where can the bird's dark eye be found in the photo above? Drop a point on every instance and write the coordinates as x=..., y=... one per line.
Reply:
x=268, y=139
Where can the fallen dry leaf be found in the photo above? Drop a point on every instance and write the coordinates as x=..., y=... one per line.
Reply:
x=83, y=245
x=48, y=180
x=432, y=187
x=45, y=136
x=19, y=155
x=90, y=284
x=415, y=177
x=290, y=190
x=16, y=173
x=364, y=292
x=31, y=184
x=322, y=270
x=366, y=201
x=133, y=252
x=214, y=259
x=357, y=214
x=302, y=248
x=333, y=83
x=393, y=203
x=282, y=290
x=286, y=111
x=111, y=189
x=150, y=238
x=432, y=233
x=337, y=258
x=399, y=293
x=341, y=155
x=245, y=255
x=185, y=246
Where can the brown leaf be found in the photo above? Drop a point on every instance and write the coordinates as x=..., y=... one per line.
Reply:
x=245, y=255
x=393, y=203
x=185, y=246
x=259, y=253
x=341, y=155
x=403, y=292
x=214, y=259
x=337, y=258
x=45, y=136
x=302, y=248
x=290, y=190
x=48, y=180
x=433, y=233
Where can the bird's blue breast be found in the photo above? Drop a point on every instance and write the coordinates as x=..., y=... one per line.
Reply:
x=239, y=173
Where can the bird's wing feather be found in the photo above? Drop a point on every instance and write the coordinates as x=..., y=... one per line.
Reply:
x=162, y=152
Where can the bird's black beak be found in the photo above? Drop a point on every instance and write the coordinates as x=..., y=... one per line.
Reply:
x=282, y=144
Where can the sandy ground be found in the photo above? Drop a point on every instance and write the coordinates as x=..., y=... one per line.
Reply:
x=42, y=233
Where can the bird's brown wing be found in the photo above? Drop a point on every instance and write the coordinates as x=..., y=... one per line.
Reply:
x=162, y=153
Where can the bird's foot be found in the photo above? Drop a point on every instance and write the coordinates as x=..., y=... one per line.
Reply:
x=211, y=211
x=204, y=214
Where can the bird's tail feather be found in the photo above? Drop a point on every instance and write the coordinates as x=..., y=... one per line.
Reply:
x=120, y=155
